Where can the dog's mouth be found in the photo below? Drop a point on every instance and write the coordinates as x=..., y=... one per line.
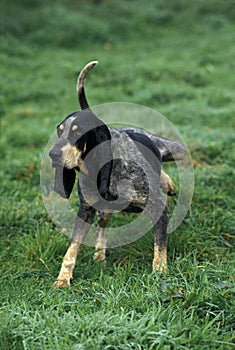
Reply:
x=56, y=163
x=63, y=164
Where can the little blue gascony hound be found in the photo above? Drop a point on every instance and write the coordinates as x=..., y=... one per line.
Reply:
x=119, y=170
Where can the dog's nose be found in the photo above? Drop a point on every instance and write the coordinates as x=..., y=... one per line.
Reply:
x=55, y=153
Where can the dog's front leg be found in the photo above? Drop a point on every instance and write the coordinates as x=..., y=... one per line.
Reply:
x=101, y=237
x=84, y=219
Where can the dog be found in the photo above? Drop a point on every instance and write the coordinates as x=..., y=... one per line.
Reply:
x=119, y=170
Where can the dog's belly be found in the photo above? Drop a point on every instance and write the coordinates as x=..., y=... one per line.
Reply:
x=129, y=200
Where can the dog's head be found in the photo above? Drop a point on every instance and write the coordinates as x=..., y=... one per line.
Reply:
x=78, y=134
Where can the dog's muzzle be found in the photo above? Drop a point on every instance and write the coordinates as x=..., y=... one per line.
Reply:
x=56, y=156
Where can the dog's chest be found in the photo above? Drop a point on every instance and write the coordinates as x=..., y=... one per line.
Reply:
x=128, y=178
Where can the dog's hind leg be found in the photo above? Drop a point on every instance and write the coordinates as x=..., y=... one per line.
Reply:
x=101, y=236
x=160, y=241
x=84, y=220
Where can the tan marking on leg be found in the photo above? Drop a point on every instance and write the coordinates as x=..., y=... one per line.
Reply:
x=100, y=245
x=69, y=261
x=101, y=238
x=167, y=185
x=160, y=259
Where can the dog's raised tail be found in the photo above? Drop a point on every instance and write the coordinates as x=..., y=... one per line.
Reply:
x=81, y=84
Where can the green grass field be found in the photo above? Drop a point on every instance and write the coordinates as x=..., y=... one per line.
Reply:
x=177, y=57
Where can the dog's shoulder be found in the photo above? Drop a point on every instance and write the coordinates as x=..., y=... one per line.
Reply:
x=134, y=151
x=132, y=140
x=143, y=139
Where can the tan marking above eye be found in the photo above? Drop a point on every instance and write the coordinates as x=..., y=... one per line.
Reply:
x=61, y=127
x=74, y=127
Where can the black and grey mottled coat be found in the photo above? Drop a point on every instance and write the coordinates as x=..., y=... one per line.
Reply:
x=120, y=169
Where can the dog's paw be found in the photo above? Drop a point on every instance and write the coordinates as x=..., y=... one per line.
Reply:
x=160, y=259
x=160, y=268
x=99, y=256
x=62, y=283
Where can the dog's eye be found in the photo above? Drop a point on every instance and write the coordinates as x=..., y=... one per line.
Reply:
x=60, y=129
x=76, y=130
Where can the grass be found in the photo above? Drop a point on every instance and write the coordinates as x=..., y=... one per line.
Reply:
x=175, y=57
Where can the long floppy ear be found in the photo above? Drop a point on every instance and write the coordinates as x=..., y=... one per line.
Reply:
x=64, y=181
x=100, y=164
x=105, y=153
